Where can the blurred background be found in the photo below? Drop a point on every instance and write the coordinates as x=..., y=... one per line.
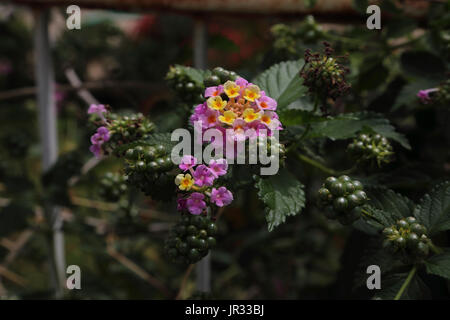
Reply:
x=121, y=56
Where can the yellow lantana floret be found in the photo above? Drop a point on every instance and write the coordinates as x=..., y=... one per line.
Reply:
x=216, y=103
x=252, y=92
x=184, y=181
x=228, y=117
x=250, y=115
x=231, y=89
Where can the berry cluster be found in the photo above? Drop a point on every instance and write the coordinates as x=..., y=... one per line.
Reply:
x=342, y=198
x=191, y=239
x=324, y=75
x=113, y=186
x=127, y=129
x=371, y=150
x=147, y=166
x=408, y=237
x=219, y=76
x=287, y=38
x=184, y=85
x=115, y=130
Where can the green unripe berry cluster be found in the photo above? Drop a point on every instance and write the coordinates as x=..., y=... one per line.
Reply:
x=408, y=237
x=127, y=129
x=342, y=198
x=191, y=239
x=189, y=90
x=371, y=150
x=147, y=167
x=148, y=159
x=219, y=76
x=112, y=186
x=288, y=39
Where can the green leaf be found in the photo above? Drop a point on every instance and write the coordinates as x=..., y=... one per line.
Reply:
x=433, y=210
x=283, y=196
x=297, y=117
x=421, y=63
x=282, y=82
x=439, y=265
x=347, y=125
x=391, y=284
x=388, y=206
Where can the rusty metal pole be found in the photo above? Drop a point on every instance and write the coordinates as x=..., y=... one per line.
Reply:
x=203, y=267
x=48, y=137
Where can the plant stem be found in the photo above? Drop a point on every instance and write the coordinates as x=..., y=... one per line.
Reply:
x=316, y=164
x=435, y=249
x=406, y=283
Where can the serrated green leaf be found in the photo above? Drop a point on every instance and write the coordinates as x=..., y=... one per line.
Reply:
x=283, y=196
x=433, y=210
x=388, y=206
x=391, y=284
x=282, y=82
x=347, y=125
x=439, y=265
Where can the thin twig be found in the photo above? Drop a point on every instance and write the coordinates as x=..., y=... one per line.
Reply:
x=137, y=270
x=89, y=85
x=184, y=281
x=12, y=276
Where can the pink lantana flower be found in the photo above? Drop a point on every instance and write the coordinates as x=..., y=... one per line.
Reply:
x=203, y=176
x=195, y=203
x=187, y=162
x=218, y=167
x=266, y=103
x=98, y=109
x=96, y=149
x=424, y=95
x=213, y=91
x=221, y=197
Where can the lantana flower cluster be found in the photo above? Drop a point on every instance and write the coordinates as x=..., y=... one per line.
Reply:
x=116, y=129
x=237, y=105
x=198, y=186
